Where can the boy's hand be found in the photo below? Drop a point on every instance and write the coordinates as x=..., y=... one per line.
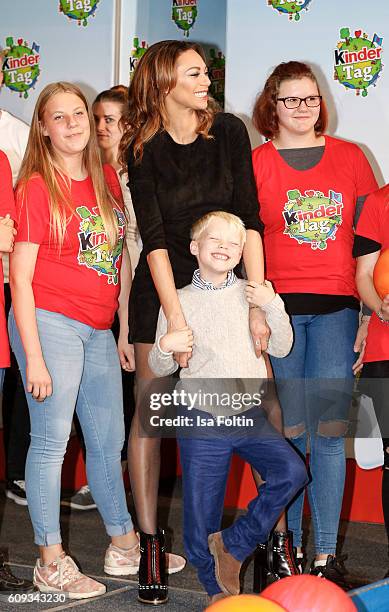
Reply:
x=259, y=294
x=179, y=341
x=7, y=233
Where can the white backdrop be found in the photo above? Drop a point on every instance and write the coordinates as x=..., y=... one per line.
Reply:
x=258, y=38
x=81, y=54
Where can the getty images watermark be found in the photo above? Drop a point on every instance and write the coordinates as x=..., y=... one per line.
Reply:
x=216, y=408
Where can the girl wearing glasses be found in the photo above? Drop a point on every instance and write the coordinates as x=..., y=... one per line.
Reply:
x=310, y=187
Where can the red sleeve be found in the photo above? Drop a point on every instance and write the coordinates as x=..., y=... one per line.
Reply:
x=113, y=183
x=32, y=210
x=370, y=222
x=7, y=202
x=365, y=179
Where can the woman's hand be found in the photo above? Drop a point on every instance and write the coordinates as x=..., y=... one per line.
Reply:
x=178, y=323
x=259, y=330
x=126, y=354
x=179, y=341
x=38, y=379
x=360, y=343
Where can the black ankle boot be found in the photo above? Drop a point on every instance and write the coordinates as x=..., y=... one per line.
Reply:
x=152, y=588
x=274, y=560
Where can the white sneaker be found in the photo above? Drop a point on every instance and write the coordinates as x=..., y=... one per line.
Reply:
x=63, y=576
x=16, y=490
x=121, y=562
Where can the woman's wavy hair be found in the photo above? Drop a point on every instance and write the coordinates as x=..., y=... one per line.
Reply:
x=154, y=77
x=40, y=159
x=265, y=116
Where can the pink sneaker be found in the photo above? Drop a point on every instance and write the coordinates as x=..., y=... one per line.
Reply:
x=121, y=562
x=63, y=576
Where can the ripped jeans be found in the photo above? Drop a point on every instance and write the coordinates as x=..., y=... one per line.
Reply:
x=314, y=384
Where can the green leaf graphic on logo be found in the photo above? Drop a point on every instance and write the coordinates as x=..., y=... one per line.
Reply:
x=292, y=9
x=20, y=65
x=79, y=10
x=358, y=60
x=184, y=14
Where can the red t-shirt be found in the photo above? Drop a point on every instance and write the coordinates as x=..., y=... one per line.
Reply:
x=7, y=205
x=374, y=224
x=308, y=217
x=80, y=281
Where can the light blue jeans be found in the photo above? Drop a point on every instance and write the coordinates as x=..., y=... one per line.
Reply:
x=84, y=367
x=314, y=384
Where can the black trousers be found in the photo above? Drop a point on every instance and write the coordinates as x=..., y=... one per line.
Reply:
x=374, y=383
x=16, y=418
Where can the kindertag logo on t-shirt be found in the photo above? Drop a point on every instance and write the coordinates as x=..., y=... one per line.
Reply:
x=312, y=218
x=94, y=251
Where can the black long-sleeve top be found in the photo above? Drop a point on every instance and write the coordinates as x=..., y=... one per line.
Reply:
x=172, y=187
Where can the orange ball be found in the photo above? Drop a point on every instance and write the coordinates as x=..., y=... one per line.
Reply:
x=245, y=603
x=307, y=593
x=381, y=274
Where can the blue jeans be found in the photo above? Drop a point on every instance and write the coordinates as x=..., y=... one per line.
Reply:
x=84, y=367
x=205, y=466
x=314, y=384
x=2, y=372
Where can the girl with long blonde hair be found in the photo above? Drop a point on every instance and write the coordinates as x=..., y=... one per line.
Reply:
x=65, y=281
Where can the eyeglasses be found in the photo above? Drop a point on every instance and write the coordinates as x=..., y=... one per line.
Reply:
x=310, y=101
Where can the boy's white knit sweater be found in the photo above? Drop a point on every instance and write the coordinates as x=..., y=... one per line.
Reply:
x=223, y=347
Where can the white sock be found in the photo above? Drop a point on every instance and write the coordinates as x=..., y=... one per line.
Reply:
x=321, y=563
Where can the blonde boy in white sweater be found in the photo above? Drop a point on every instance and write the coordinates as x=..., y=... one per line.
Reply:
x=217, y=336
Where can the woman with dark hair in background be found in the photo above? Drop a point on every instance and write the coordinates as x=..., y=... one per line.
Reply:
x=185, y=158
x=310, y=187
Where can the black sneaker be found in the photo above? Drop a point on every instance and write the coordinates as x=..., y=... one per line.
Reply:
x=335, y=570
x=10, y=584
x=81, y=500
x=16, y=490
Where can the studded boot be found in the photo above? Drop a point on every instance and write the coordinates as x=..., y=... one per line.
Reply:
x=152, y=587
x=274, y=560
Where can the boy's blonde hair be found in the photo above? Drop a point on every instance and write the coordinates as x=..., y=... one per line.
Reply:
x=201, y=224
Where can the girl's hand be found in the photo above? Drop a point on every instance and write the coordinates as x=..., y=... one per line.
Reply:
x=360, y=343
x=7, y=233
x=38, y=379
x=126, y=355
x=180, y=341
x=259, y=294
x=385, y=308
x=7, y=221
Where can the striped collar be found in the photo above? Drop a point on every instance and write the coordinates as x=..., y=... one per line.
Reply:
x=200, y=283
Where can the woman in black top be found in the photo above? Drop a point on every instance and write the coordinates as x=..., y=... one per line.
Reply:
x=184, y=159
